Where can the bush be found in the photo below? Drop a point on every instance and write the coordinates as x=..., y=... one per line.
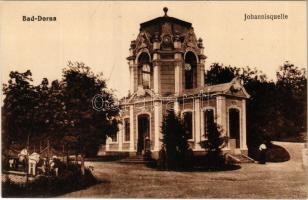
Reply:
x=69, y=179
x=274, y=153
x=175, y=151
x=214, y=158
x=277, y=153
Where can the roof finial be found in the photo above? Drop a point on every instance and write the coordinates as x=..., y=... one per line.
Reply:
x=165, y=10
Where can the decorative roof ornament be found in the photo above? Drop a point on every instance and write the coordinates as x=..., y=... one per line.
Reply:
x=165, y=11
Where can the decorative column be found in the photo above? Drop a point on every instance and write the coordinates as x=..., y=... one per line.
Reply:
x=131, y=66
x=131, y=121
x=202, y=73
x=131, y=76
x=177, y=80
x=178, y=74
x=178, y=65
x=202, y=58
x=221, y=113
x=156, y=74
x=176, y=107
x=243, y=132
x=197, y=124
x=156, y=47
x=157, y=124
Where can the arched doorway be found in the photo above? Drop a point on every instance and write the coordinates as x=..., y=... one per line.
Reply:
x=234, y=126
x=143, y=143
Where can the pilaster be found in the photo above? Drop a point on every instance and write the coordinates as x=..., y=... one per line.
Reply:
x=197, y=124
x=243, y=132
x=131, y=121
x=221, y=114
x=176, y=107
x=131, y=76
x=157, y=124
x=156, y=73
x=178, y=74
x=202, y=75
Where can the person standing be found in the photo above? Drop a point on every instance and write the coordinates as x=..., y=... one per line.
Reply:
x=262, y=149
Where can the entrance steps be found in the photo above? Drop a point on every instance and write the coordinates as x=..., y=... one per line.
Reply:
x=138, y=159
x=239, y=158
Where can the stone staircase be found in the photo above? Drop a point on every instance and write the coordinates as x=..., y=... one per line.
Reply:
x=240, y=158
x=138, y=159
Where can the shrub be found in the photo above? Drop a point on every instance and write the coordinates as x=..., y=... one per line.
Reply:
x=175, y=150
x=274, y=153
x=69, y=179
x=213, y=145
x=277, y=153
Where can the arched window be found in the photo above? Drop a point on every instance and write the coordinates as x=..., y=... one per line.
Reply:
x=234, y=125
x=208, y=120
x=144, y=71
x=188, y=123
x=146, y=76
x=126, y=129
x=190, y=70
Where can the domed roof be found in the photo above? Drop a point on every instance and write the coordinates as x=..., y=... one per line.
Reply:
x=164, y=19
x=155, y=24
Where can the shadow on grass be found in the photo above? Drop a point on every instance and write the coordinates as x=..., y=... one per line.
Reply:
x=106, y=158
x=227, y=167
x=198, y=166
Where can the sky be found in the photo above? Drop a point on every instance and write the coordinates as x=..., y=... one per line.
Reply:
x=99, y=34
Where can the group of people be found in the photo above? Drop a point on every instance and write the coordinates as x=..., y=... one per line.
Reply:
x=34, y=163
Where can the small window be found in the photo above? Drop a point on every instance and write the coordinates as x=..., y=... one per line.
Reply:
x=188, y=125
x=208, y=116
x=126, y=129
x=146, y=76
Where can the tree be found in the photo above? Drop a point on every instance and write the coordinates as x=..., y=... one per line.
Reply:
x=175, y=140
x=87, y=126
x=220, y=74
x=275, y=109
x=261, y=107
x=213, y=146
x=292, y=99
x=61, y=112
x=19, y=108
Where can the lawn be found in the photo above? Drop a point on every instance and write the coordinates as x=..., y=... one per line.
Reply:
x=273, y=180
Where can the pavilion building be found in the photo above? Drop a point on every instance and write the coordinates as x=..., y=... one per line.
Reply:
x=167, y=66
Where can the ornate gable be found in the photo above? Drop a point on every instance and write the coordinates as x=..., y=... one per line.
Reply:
x=142, y=94
x=237, y=89
x=143, y=41
x=190, y=40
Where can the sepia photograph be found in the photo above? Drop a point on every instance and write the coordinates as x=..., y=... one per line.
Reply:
x=157, y=99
